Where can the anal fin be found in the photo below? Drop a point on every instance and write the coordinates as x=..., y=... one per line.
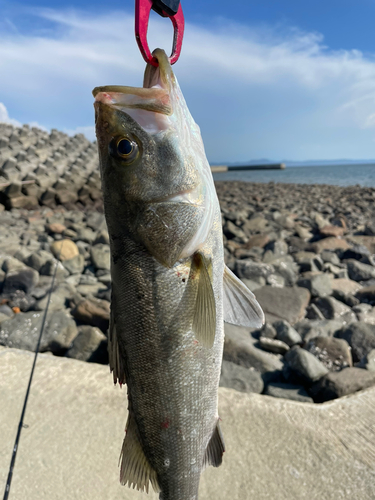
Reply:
x=135, y=468
x=215, y=449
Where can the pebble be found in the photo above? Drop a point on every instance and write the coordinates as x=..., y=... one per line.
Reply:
x=273, y=345
x=64, y=249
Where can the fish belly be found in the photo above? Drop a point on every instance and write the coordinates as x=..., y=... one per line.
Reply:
x=172, y=380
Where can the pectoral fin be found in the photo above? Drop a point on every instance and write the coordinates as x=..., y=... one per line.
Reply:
x=204, y=319
x=215, y=449
x=240, y=305
x=135, y=468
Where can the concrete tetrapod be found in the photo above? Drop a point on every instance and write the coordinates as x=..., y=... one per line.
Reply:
x=276, y=448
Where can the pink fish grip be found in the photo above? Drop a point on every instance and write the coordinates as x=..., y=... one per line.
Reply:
x=142, y=16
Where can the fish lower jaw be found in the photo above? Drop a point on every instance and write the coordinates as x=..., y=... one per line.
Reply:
x=187, y=197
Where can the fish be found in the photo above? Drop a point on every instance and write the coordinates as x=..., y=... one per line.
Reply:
x=171, y=291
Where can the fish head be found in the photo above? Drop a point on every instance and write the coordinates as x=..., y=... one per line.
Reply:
x=156, y=180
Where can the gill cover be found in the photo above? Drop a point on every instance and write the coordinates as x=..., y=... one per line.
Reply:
x=154, y=164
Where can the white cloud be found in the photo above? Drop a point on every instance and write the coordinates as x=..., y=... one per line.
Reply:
x=4, y=116
x=254, y=92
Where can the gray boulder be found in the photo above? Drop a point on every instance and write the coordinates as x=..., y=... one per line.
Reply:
x=288, y=303
x=358, y=271
x=286, y=333
x=268, y=331
x=338, y=384
x=287, y=269
x=102, y=237
x=331, y=257
x=367, y=294
x=361, y=338
x=239, y=347
x=317, y=328
x=288, y=391
x=37, y=259
x=94, y=312
x=75, y=265
x=25, y=279
x=253, y=270
x=231, y=230
x=334, y=309
x=22, y=331
x=89, y=345
x=305, y=365
x=318, y=284
x=335, y=354
x=11, y=264
x=345, y=286
x=85, y=234
x=100, y=256
x=48, y=269
x=368, y=361
x=255, y=224
x=58, y=300
x=239, y=378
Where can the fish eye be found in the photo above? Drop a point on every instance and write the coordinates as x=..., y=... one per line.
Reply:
x=123, y=148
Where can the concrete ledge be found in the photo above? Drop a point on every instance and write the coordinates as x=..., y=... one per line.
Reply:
x=276, y=449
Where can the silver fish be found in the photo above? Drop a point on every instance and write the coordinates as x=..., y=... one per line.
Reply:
x=171, y=290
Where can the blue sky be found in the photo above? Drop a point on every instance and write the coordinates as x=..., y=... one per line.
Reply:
x=273, y=79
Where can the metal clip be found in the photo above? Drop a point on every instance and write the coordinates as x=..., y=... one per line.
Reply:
x=142, y=16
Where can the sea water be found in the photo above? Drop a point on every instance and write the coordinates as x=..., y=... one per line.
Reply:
x=339, y=175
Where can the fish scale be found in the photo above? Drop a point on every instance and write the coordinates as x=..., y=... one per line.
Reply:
x=171, y=290
x=175, y=399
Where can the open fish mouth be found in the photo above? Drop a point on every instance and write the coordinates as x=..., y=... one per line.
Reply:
x=150, y=105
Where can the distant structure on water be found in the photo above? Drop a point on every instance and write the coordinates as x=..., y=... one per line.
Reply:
x=267, y=166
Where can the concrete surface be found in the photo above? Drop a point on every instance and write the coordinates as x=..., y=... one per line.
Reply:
x=276, y=449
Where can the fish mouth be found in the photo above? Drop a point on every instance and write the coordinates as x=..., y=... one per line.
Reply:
x=191, y=197
x=154, y=96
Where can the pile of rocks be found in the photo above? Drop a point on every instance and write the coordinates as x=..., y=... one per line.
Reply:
x=31, y=244
x=41, y=168
x=307, y=253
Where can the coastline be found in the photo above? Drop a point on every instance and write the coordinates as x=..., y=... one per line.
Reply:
x=336, y=175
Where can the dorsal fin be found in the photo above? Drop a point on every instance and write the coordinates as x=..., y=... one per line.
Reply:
x=135, y=468
x=240, y=305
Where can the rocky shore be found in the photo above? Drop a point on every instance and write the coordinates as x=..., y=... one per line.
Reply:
x=306, y=251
